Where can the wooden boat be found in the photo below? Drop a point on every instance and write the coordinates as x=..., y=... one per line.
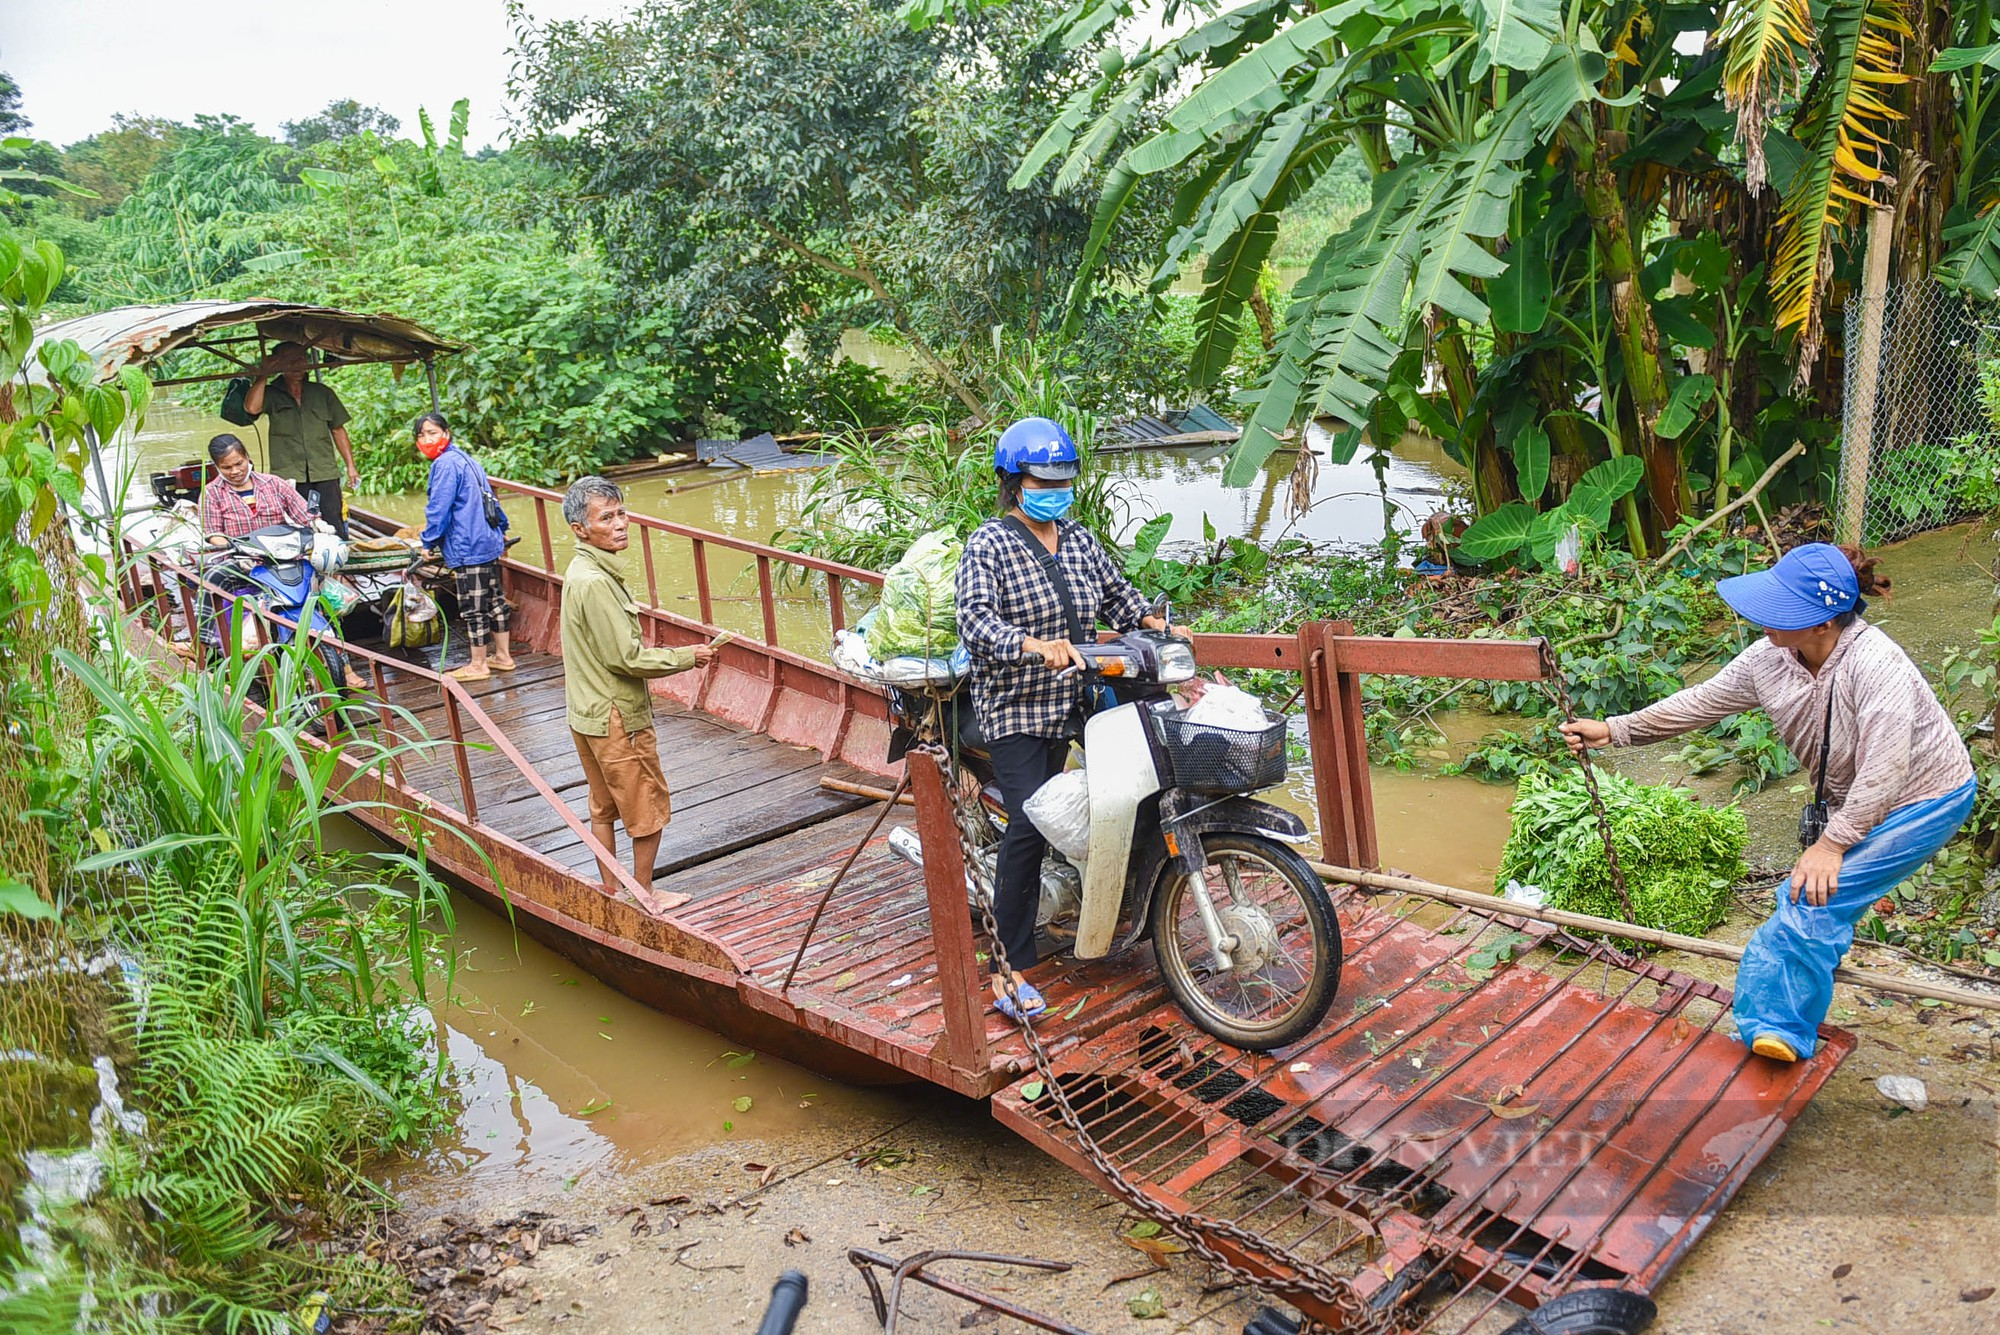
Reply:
x=1506, y=1133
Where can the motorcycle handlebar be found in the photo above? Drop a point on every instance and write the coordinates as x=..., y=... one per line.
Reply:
x=788, y=1299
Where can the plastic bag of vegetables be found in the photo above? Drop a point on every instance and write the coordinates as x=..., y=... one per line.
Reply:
x=918, y=615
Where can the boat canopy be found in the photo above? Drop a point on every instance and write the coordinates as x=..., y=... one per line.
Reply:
x=239, y=333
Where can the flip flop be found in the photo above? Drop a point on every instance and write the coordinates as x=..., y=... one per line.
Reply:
x=467, y=674
x=501, y=664
x=1031, y=1003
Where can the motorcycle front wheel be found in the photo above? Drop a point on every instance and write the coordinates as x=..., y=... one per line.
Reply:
x=1286, y=964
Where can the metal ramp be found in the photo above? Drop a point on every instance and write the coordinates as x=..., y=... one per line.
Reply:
x=1465, y=1136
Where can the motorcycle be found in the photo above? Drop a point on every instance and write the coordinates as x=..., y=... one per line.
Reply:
x=278, y=568
x=1179, y=852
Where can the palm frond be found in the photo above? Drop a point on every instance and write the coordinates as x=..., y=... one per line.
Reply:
x=1844, y=127
x=1972, y=265
x=1344, y=311
x=1765, y=42
x=1243, y=226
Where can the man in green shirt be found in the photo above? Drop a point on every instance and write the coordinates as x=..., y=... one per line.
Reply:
x=605, y=669
x=307, y=440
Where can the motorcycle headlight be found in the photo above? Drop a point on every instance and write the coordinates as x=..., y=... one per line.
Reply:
x=1176, y=662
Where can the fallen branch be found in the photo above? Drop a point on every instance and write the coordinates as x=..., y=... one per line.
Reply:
x=1652, y=936
x=1735, y=505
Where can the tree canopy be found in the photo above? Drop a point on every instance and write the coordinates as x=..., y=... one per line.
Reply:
x=805, y=165
x=1598, y=229
x=343, y=119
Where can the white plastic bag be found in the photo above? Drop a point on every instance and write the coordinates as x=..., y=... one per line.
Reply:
x=1225, y=706
x=1060, y=809
x=850, y=655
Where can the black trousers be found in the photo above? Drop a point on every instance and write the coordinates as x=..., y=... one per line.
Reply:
x=1021, y=764
x=330, y=509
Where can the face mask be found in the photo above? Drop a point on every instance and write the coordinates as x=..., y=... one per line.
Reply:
x=1047, y=505
x=431, y=449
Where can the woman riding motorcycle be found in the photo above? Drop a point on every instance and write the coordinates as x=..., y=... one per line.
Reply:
x=1029, y=584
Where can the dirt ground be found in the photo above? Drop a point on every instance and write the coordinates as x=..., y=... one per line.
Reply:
x=1867, y=1217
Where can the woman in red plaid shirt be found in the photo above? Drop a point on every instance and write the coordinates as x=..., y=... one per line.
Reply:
x=241, y=500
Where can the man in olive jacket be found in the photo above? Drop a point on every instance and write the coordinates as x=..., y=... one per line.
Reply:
x=605, y=669
x=308, y=430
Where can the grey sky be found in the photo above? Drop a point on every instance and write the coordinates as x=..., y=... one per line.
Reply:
x=80, y=62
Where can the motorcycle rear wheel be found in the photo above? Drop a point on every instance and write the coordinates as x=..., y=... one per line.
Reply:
x=1289, y=966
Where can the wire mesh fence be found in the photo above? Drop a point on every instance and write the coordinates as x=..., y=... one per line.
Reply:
x=1920, y=440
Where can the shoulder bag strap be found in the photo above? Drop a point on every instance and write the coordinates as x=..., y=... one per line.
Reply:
x=1825, y=744
x=1053, y=569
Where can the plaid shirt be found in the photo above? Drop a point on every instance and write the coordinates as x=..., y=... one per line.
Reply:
x=1004, y=596
x=277, y=502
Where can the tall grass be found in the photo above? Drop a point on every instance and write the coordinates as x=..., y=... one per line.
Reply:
x=274, y=1040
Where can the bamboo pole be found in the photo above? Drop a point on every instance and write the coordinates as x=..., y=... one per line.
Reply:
x=1652, y=936
x=864, y=790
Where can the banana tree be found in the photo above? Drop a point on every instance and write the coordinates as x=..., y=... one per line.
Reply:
x=1555, y=185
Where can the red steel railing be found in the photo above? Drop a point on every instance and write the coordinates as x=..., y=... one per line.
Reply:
x=766, y=557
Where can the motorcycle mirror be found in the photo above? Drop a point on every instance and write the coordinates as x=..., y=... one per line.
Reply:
x=1160, y=608
x=312, y=505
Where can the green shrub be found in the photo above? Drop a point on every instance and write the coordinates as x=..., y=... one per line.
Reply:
x=1680, y=858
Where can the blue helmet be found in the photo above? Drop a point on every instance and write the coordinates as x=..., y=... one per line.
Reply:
x=1038, y=447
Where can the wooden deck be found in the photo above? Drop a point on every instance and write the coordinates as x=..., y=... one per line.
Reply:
x=756, y=840
x=745, y=807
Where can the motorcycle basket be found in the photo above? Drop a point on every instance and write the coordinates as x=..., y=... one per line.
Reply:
x=1209, y=759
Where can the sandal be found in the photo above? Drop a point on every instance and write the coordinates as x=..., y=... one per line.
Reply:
x=1031, y=1003
x=1773, y=1047
x=468, y=673
x=499, y=664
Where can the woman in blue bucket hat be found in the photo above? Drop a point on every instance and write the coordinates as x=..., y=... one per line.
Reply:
x=1892, y=779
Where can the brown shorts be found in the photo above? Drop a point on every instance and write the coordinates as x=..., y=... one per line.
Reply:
x=626, y=783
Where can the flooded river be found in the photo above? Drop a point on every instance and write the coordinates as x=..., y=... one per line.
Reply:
x=563, y=1079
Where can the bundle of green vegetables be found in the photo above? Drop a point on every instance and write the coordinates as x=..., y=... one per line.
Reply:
x=1680, y=857
x=918, y=614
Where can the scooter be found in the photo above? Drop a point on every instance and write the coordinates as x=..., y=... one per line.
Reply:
x=1243, y=930
x=278, y=568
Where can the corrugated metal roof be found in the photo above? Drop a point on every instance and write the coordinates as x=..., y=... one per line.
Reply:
x=1168, y=427
x=135, y=335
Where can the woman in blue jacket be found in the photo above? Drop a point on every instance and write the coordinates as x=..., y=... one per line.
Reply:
x=455, y=521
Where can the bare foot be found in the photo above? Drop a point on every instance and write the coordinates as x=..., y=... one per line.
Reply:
x=660, y=903
x=468, y=673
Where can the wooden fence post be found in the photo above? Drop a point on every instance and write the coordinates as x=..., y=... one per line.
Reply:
x=1338, y=734
x=1857, y=446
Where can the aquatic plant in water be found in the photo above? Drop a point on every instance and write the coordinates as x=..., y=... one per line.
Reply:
x=1680, y=857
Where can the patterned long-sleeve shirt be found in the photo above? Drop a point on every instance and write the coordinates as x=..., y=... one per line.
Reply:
x=271, y=500
x=1005, y=596
x=1891, y=741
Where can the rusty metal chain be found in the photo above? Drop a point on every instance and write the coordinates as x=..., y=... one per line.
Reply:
x=1558, y=689
x=1305, y=1277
